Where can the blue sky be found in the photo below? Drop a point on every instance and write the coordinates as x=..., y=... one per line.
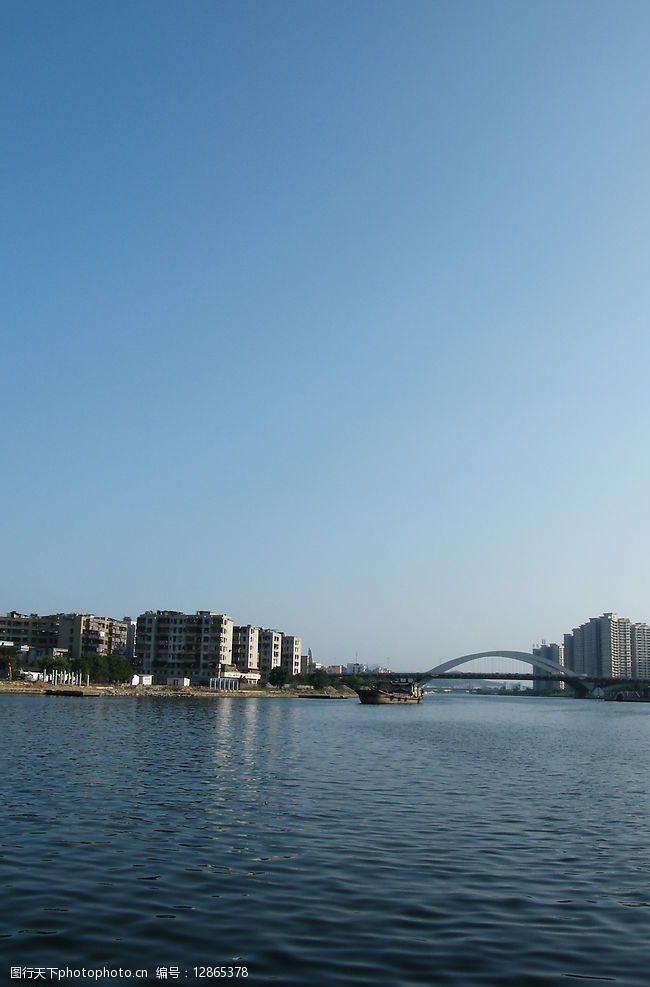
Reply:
x=330, y=316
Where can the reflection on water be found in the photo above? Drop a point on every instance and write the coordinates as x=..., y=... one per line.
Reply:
x=469, y=840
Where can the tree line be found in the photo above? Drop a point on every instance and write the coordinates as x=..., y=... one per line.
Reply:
x=318, y=679
x=101, y=668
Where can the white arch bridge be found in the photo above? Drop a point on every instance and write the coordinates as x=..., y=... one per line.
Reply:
x=544, y=664
x=540, y=668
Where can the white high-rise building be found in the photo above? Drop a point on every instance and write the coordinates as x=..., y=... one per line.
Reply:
x=290, y=654
x=246, y=651
x=640, y=643
x=616, y=646
x=270, y=651
x=600, y=648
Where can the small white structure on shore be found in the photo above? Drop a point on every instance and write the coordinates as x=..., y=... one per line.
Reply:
x=250, y=678
x=225, y=683
x=228, y=678
x=142, y=680
x=30, y=675
x=179, y=681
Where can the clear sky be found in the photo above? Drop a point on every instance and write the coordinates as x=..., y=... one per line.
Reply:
x=331, y=316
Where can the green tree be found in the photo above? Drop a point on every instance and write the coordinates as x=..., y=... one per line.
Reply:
x=58, y=663
x=8, y=656
x=8, y=660
x=278, y=676
x=120, y=669
x=97, y=667
x=319, y=679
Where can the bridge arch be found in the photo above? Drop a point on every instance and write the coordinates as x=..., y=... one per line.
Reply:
x=524, y=656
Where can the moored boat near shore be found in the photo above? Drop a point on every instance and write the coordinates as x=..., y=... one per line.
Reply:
x=391, y=693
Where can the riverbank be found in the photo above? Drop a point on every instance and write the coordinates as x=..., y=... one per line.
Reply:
x=20, y=688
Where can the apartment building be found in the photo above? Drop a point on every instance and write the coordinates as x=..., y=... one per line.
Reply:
x=130, y=638
x=640, y=645
x=86, y=634
x=39, y=632
x=79, y=634
x=616, y=643
x=290, y=654
x=571, y=658
x=554, y=653
x=306, y=663
x=270, y=651
x=171, y=644
x=246, y=652
x=601, y=647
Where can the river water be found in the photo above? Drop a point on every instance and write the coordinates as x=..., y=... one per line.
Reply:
x=468, y=840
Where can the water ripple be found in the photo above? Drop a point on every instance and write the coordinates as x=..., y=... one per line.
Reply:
x=468, y=841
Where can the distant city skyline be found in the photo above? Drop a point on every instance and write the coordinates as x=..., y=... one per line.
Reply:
x=329, y=315
x=605, y=645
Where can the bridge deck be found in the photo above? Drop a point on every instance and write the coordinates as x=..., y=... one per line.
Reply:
x=568, y=676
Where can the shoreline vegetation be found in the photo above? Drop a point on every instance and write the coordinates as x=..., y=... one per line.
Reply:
x=21, y=688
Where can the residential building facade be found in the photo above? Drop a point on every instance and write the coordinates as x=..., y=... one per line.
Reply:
x=355, y=668
x=130, y=638
x=551, y=652
x=290, y=654
x=171, y=644
x=640, y=646
x=600, y=648
x=86, y=634
x=39, y=632
x=270, y=645
x=78, y=634
x=246, y=651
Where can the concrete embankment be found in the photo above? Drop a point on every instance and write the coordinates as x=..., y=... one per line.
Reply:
x=170, y=692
